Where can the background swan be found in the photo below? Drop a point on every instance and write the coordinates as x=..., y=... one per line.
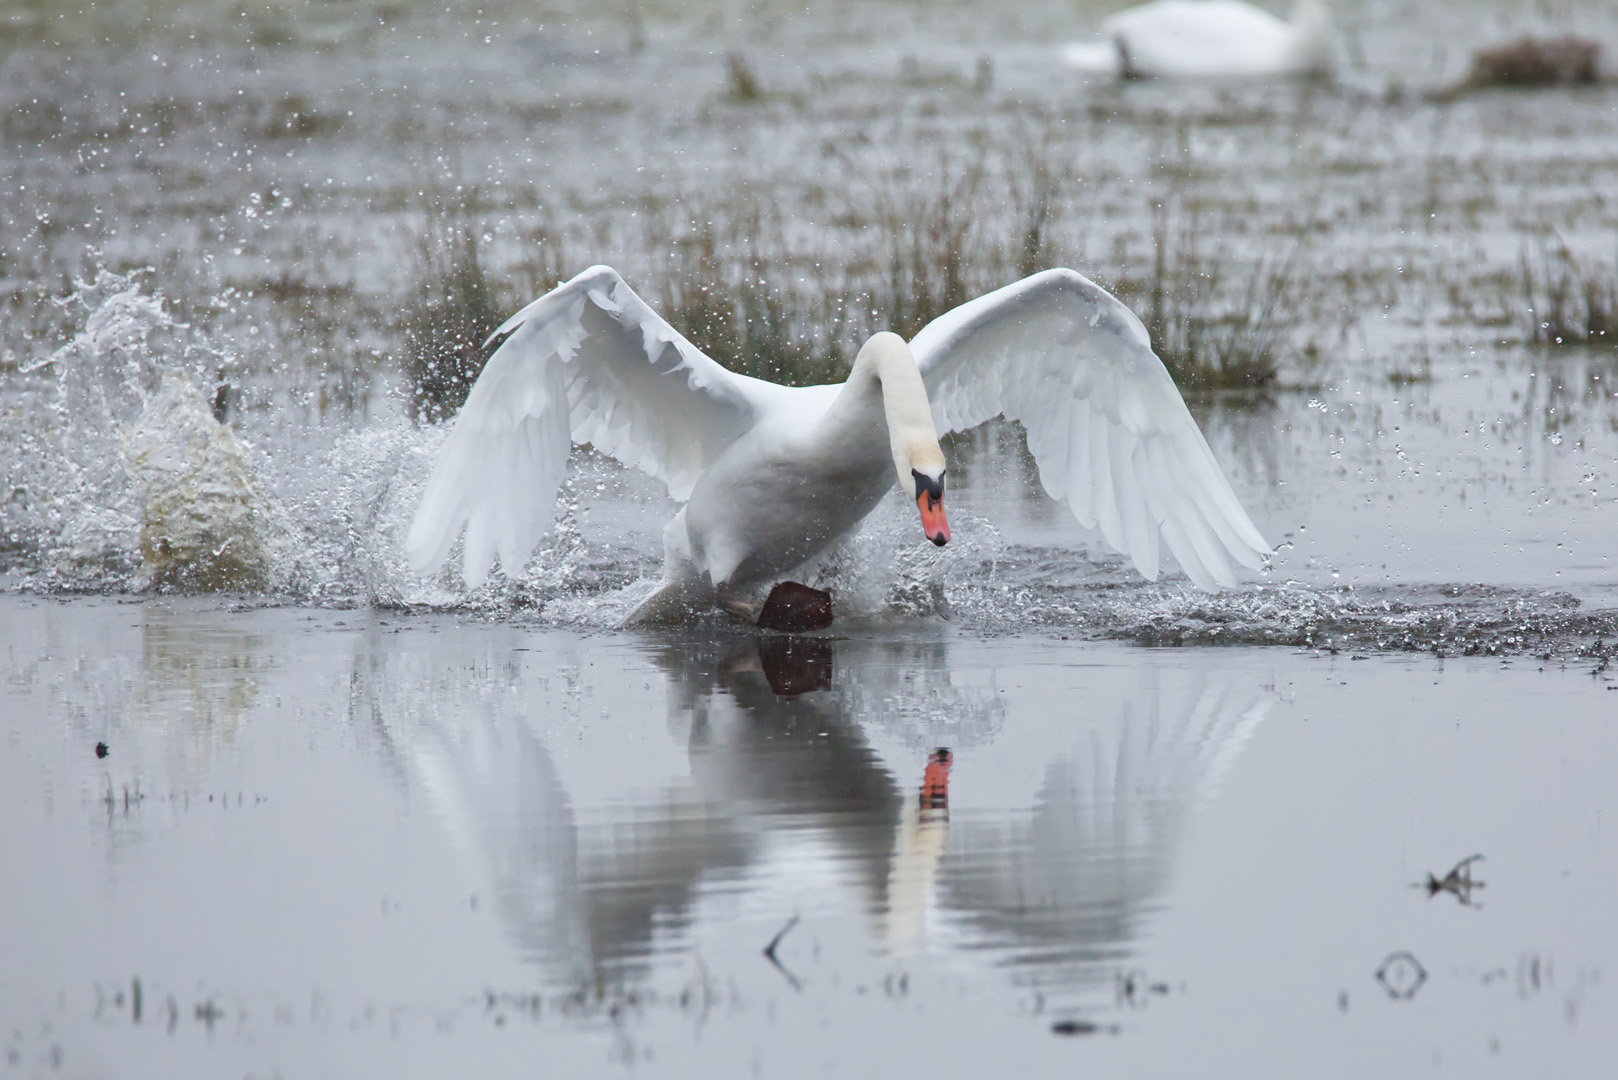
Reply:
x=773, y=475
x=1190, y=38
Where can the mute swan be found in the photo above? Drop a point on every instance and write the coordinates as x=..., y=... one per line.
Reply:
x=773, y=475
x=1192, y=38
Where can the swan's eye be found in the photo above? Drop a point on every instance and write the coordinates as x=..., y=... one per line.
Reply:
x=926, y=485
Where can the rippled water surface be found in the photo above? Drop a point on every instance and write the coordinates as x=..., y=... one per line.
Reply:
x=326, y=843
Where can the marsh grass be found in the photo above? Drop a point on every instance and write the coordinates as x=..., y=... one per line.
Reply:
x=743, y=84
x=791, y=300
x=455, y=304
x=1213, y=330
x=1568, y=300
x=1531, y=62
x=758, y=311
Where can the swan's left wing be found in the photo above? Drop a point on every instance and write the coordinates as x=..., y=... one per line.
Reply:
x=588, y=362
x=1105, y=422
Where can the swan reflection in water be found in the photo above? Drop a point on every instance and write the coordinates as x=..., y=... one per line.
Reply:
x=953, y=821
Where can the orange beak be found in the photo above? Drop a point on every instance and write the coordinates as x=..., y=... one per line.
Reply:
x=932, y=517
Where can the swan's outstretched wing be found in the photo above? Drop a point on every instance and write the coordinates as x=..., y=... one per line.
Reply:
x=1105, y=423
x=588, y=362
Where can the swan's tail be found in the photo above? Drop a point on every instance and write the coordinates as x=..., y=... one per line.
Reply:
x=683, y=593
x=674, y=601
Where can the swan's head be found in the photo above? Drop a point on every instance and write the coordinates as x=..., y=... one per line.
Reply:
x=1313, y=37
x=925, y=484
x=930, y=501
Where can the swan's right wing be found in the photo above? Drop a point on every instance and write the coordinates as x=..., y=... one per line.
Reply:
x=588, y=362
x=1105, y=421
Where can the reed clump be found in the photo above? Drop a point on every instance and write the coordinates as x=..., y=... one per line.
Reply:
x=791, y=300
x=1533, y=61
x=1213, y=330
x=1567, y=300
x=452, y=310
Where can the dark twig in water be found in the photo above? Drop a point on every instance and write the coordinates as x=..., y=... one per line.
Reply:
x=1459, y=881
x=769, y=953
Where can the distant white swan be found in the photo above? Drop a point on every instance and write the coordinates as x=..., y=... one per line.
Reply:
x=1203, y=38
x=773, y=475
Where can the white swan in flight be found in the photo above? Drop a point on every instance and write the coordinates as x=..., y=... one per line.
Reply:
x=1206, y=38
x=773, y=475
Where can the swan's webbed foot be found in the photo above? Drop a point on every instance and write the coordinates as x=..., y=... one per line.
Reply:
x=794, y=608
x=790, y=608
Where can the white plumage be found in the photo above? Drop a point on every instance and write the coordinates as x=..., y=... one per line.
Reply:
x=773, y=475
x=1208, y=38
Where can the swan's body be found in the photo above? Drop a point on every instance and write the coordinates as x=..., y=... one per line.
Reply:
x=1208, y=38
x=771, y=476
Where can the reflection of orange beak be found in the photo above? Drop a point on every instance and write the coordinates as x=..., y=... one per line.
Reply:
x=932, y=518
x=935, y=780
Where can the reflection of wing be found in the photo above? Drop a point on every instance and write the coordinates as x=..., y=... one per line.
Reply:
x=496, y=789
x=581, y=893
x=1066, y=883
x=1104, y=420
x=590, y=362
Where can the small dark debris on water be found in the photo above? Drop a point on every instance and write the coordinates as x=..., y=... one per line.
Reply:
x=1459, y=881
x=1135, y=988
x=101, y=750
x=769, y=953
x=1076, y=1027
x=1401, y=975
x=209, y=1013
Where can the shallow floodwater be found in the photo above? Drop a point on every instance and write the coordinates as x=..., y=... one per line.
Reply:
x=335, y=843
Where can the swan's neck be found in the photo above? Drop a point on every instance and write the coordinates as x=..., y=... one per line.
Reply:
x=886, y=366
x=1312, y=31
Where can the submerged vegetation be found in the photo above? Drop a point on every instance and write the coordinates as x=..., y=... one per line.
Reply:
x=1568, y=299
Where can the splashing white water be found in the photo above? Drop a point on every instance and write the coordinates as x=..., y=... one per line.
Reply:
x=205, y=522
x=68, y=500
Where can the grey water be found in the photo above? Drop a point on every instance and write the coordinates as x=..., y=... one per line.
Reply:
x=323, y=843
x=353, y=820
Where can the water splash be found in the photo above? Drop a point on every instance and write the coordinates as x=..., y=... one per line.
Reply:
x=205, y=521
x=70, y=510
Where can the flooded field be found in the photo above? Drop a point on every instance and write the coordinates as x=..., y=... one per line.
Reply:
x=351, y=819
x=328, y=842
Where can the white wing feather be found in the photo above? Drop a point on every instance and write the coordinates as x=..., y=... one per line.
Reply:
x=588, y=362
x=1105, y=422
